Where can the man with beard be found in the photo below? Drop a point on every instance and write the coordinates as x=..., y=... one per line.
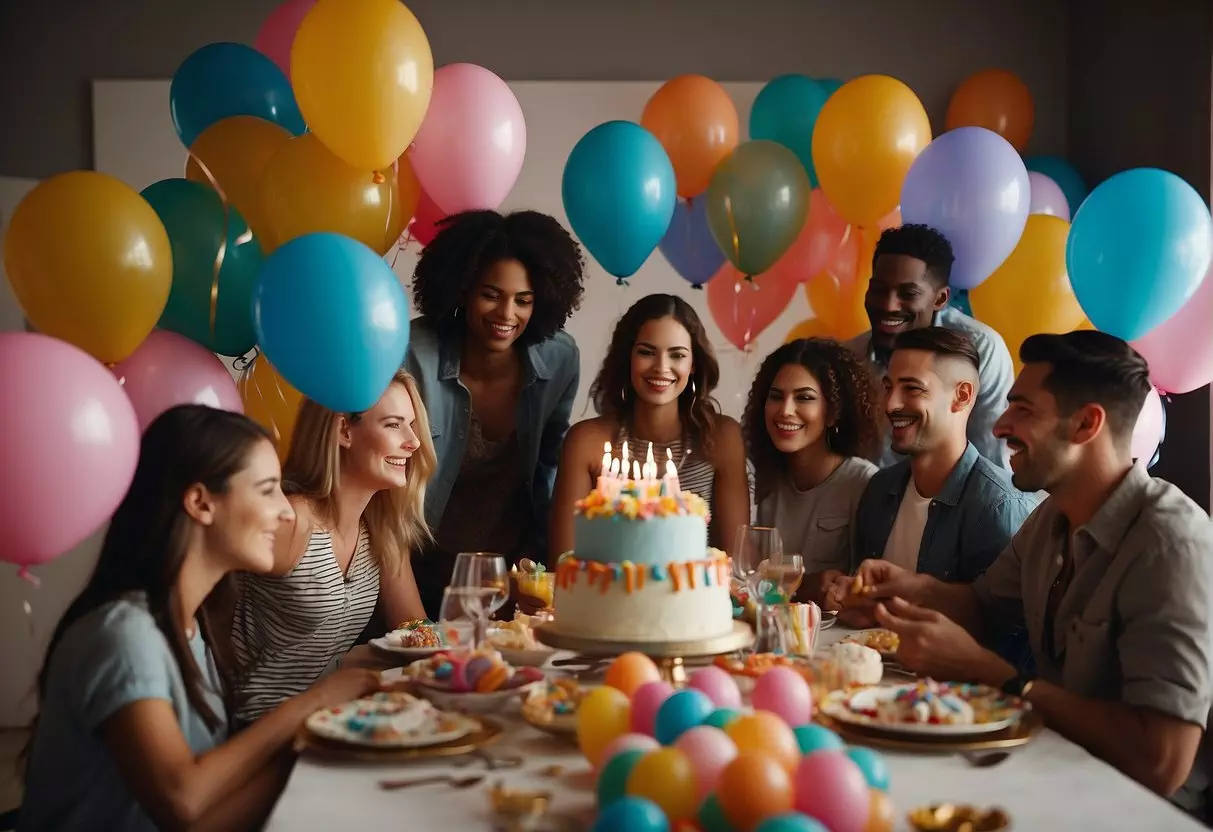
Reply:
x=1112, y=576
x=909, y=290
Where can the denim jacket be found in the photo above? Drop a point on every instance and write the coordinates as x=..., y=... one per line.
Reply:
x=552, y=370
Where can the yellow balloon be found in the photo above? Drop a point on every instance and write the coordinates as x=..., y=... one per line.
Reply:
x=602, y=717
x=307, y=189
x=363, y=74
x=270, y=402
x=866, y=137
x=236, y=152
x=665, y=776
x=90, y=263
x=808, y=328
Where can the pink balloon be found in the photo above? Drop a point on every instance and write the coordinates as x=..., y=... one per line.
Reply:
x=470, y=147
x=169, y=369
x=709, y=749
x=1046, y=197
x=1147, y=433
x=1180, y=349
x=785, y=692
x=823, y=242
x=277, y=34
x=743, y=309
x=718, y=684
x=627, y=742
x=645, y=701
x=68, y=448
x=831, y=788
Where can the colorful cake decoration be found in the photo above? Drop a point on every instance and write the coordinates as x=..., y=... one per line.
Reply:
x=641, y=495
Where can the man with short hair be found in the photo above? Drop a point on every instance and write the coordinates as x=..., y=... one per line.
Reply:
x=909, y=290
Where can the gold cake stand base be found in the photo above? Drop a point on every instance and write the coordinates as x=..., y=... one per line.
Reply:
x=668, y=655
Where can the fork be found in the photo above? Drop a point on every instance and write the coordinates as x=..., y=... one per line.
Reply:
x=450, y=780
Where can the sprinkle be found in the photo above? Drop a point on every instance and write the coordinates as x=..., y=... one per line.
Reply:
x=629, y=571
x=658, y=573
x=676, y=576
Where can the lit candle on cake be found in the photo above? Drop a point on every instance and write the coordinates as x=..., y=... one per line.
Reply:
x=604, y=472
x=636, y=473
x=614, y=480
x=650, y=471
x=624, y=470
x=672, y=487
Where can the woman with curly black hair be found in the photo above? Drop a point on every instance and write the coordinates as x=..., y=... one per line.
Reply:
x=655, y=385
x=498, y=375
x=810, y=421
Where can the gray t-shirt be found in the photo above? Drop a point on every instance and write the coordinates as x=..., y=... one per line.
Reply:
x=109, y=658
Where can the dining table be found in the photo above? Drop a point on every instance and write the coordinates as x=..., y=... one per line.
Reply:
x=1050, y=783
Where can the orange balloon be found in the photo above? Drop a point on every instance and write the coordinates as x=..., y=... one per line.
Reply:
x=752, y=788
x=808, y=328
x=765, y=733
x=270, y=402
x=837, y=302
x=631, y=670
x=996, y=100
x=696, y=122
x=742, y=308
x=666, y=777
x=880, y=813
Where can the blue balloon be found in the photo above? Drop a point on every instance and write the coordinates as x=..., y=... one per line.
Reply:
x=813, y=737
x=785, y=112
x=688, y=245
x=959, y=299
x=682, y=711
x=791, y=822
x=631, y=814
x=619, y=194
x=1138, y=249
x=872, y=764
x=221, y=80
x=1063, y=173
x=332, y=318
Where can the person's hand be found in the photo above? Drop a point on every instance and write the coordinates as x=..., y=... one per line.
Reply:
x=877, y=578
x=934, y=645
x=835, y=591
x=342, y=686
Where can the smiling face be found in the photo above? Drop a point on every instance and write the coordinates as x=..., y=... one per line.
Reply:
x=925, y=402
x=661, y=361
x=901, y=296
x=380, y=443
x=500, y=305
x=796, y=411
x=1036, y=433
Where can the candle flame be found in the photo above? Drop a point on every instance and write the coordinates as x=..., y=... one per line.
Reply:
x=635, y=470
x=649, y=458
x=606, y=447
x=670, y=470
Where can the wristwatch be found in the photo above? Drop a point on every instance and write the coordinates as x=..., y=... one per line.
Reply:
x=1019, y=685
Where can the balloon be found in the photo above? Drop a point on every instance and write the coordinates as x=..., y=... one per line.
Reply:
x=996, y=100
x=867, y=135
x=971, y=186
x=613, y=779
x=785, y=112
x=222, y=80
x=1138, y=249
x=825, y=241
x=681, y=712
x=631, y=670
x=752, y=788
x=688, y=245
x=872, y=764
x=363, y=74
x=711, y=816
x=695, y=121
x=1180, y=349
x=70, y=445
x=270, y=401
x=808, y=328
x=333, y=318
x=1047, y=197
x=881, y=817
x=1148, y=432
x=618, y=191
x=469, y=150
x=665, y=777
x=89, y=262
x=709, y=751
x=785, y=693
x=197, y=226
x=1030, y=292
x=741, y=308
x=836, y=298
x=721, y=717
x=601, y=718
x=277, y=33
x=765, y=733
x=235, y=153
x=815, y=737
x=830, y=85
x=1064, y=174
x=790, y=822
x=646, y=700
x=831, y=787
x=626, y=742
x=306, y=189
x=169, y=369
x=631, y=814
x=718, y=685
x=757, y=203
x=424, y=226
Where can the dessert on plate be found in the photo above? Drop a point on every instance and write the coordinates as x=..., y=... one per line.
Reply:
x=415, y=634
x=388, y=720
x=885, y=642
x=554, y=704
x=470, y=671
x=856, y=664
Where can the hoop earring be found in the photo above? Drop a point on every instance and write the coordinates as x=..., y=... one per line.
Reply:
x=694, y=392
x=831, y=437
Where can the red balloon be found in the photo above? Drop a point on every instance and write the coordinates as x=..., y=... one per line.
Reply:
x=744, y=308
x=424, y=228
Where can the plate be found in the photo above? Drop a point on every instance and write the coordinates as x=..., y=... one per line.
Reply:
x=866, y=637
x=447, y=699
x=344, y=724
x=840, y=705
x=828, y=619
x=485, y=733
x=386, y=646
x=526, y=658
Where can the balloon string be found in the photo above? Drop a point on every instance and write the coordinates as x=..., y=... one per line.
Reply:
x=221, y=254
x=387, y=223
x=728, y=210
x=24, y=574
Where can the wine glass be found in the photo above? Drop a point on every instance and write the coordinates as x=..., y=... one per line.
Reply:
x=784, y=571
x=454, y=621
x=752, y=546
x=481, y=584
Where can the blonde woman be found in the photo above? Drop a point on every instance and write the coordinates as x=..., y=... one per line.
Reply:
x=357, y=484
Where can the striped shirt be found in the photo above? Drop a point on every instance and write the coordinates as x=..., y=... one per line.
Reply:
x=695, y=471
x=289, y=631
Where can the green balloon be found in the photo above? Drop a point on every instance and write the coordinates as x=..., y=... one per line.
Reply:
x=757, y=203
x=194, y=217
x=721, y=717
x=613, y=780
x=711, y=816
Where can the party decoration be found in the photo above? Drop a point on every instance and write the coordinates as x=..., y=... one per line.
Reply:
x=872, y=764
x=825, y=241
x=996, y=100
x=221, y=80
x=169, y=369
x=613, y=778
x=688, y=245
x=665, y=776
x=1180, y=349
x=808, y=328
x=765, y=733
x=1148, y=432
x=709, y=750
x=831, y=787
x=363, y=75
x=1047, y=197
x=784, y=692
x=306, y=189
x=813, y=737
x=757, y=202
x=752, y=788
x=830, y=85
x=646, y=700
x=721, y=717
x=631, y=670
x=970, y=185
x=711, y=816
x=601, y=718
x=837, y=300
x=867, y=135
x=619, y=195
x=1138, y=249
x=631, y=814
x=333, y=318
x=277, y=33
x=1065, y=175
x=743, y=309
x=718, y=685
x=626, y=742
x=469, y=150
x=790, y=822
x=205, y=236
x=70, y=446
x=695, y=121
x=681, y=712
x=270, y=401
x=424, y=226
x=881, y=817
x=89, y=262
x=785, y=112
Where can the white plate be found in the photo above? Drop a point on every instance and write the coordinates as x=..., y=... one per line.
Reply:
x=828, y=620
x=386, y=646
x=332, y=724
x=526, y=658
x=448, y=700
x=838, y=706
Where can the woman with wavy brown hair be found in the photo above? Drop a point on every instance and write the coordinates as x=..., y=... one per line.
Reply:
x=655, y=386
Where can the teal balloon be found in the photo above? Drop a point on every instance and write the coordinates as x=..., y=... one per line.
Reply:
x=721, y=717
x=830, y=85
x=785, y=112
x=1138, y=249
x=679, y=713
x=1064, y=174
x=791, y=822
x=619, y=195
x=197, y=227
x=813, y=737
x=872, y=764
x=711, y=816
x=631, y=814
x=613, y=779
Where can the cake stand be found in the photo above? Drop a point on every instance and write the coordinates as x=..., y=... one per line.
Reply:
x=668, y=655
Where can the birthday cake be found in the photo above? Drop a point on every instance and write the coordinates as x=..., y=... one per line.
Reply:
x=641, y=569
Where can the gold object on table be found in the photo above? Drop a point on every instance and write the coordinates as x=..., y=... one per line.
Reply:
x=518, y=808
x=308, y=743
x=1013, y=736
x=952, y=817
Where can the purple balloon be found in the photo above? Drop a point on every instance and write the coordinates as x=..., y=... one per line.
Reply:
x=1047, y=197
x=688, y=244
x=970, y=185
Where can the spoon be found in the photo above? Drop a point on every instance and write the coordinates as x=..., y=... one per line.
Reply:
x=986, y=759
x=453, y=782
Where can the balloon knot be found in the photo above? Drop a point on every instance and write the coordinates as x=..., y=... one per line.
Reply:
x=378, y=178
x=749, y=278
x=697, y=287
x=24, y=574
x=621, y=281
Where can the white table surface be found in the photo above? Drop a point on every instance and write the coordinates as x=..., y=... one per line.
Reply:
x=1050, y=783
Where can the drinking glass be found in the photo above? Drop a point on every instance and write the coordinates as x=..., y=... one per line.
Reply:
x=454, y=621
x=754, y=545
x=480, y=582
x=783, y=571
